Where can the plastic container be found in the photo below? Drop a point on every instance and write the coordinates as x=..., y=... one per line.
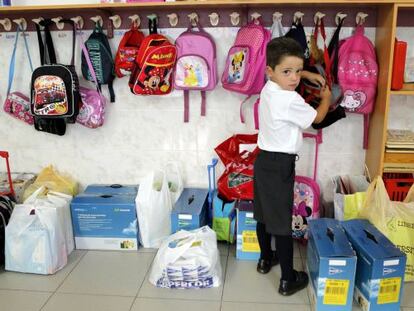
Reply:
x=398, y=185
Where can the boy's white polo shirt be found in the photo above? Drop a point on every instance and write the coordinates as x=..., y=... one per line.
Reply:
x=283, y=115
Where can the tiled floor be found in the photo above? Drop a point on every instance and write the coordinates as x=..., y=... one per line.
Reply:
x=117, y=281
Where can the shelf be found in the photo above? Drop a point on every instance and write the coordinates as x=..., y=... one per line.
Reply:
x=408, y=89
x=398, y=158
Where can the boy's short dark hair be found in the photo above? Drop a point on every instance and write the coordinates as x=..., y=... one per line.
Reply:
x=280, y=47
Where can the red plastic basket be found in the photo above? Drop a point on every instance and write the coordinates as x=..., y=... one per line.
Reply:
x=398, y=184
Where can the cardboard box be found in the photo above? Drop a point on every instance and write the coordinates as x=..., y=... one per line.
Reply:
x=112, y=189
x=331, y=263
x=380, y=268
x=107, y=222
x=191, y=210
x=247, y=247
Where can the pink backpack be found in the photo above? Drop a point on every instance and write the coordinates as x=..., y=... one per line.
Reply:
x=196, y=65
x=246, y=61
x=306, y=193
x=358, y=75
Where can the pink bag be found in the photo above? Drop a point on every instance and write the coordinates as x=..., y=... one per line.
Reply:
x=92, y=112
x=244, y=71
x=17, y=104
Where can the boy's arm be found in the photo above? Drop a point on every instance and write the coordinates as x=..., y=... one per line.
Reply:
x=323, y=107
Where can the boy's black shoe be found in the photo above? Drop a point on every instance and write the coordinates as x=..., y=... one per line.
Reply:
x=287, y=288
x=264, y=266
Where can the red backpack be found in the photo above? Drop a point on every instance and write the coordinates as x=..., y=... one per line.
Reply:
x=127, y=51
x=154, y=64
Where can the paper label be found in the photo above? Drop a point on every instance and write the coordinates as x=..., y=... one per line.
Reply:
x=336, y=292
x=249, y=241
x=389, y=290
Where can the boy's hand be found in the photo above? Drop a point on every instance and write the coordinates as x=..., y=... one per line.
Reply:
x=325, y=92
x=314, y=78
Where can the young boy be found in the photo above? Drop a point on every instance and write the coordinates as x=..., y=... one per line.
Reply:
x=283, y=115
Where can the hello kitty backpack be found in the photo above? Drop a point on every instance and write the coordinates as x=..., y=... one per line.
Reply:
x=358, y=76
x=306, y=193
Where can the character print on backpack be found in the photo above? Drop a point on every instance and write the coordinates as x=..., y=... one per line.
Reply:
x=154, y=79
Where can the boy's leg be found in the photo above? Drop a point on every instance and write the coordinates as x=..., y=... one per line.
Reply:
x=291, y=280
x=267, y=256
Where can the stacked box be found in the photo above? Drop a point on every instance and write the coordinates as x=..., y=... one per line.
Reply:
x=112, y=189
x=380, y=267
x=331, y=263
x=191, y=210
x=107, y=222
x=247, y=247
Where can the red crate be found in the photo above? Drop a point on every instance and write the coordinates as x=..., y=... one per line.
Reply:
x=398, y=184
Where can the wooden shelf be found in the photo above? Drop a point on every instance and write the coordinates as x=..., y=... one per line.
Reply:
x=398, y=158
x=408, y=89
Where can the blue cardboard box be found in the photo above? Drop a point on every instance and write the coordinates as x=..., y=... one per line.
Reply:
x=191, y=210
x=107, y=222
x=380, y=268
x=112, y=189
x=247, y=247
x=331, y=263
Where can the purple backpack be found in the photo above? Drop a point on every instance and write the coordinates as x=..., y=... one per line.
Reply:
x=358, y=75
x=244, y=71
x=196, y=65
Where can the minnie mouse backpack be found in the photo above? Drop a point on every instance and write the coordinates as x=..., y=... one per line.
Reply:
x=127, y=51
x=152, y=74
x=358, y=76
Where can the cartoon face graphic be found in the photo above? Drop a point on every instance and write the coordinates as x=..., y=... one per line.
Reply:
x=353, y=100
x=236, y=69
x=299, y=219
x=156, y=79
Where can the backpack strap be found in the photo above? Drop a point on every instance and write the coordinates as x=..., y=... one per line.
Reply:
x=111, y=90
x=152, y=24
x=50, y=57
x=366, y=130
x=88, y=59
x=256, y=113
x=13, y=58
x=241, y=108
x=277, y=29
x=333, y=49
x=186, y=105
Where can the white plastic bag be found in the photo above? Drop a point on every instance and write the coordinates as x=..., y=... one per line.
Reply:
x=175, y=181
x=34, y=241
x=153, y=204
x=187, y=259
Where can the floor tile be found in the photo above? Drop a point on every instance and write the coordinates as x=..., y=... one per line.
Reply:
x=173, y=304
x=407, y=309
x=108, y=273
x=17, y=300
x=47, y=283
x=223, y=248
x=70, y=302
x=209, y=294
x=244, y=284
x=235, y=306
x=408, y=295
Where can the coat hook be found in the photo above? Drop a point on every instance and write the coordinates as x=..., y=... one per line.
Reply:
x=97, y=20
x=193, y=18
x=78, y=20
x=6, y=22
x=135, y=20
x=254, y=16
x=360, y=18
x=214, y=19
x=298, y=17
x=21, y=22
x=38, y=20
x=235, y=18
x=57, y=20
x=116, y=21
x=173, y=19
x=317, y=17
x=277, y=16
x=340, y=17
x=152, y=17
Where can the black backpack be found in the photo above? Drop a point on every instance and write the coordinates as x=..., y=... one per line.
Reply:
x=6, y=209
x=101, y=58
x=55, y=97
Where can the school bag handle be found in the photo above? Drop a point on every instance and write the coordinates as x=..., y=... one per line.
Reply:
x=13, y=57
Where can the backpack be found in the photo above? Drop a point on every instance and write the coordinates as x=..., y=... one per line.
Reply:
x=55, y=98
x=101, y=57
x=152, y=74
x=128, y=51
x=358, y=76
x=244, y=71
x=306, y=194
x=196, y=66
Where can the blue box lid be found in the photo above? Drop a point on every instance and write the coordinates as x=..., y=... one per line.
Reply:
x=111, y=188
x=366, y=238
x=191, y=201
x=104, y=199
x=329, y=238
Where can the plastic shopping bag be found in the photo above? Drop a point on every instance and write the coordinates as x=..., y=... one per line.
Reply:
x=187, y=259
x=35, y=241
x=175, y=181
x=394, y=219
x=349, y=196
x=153, y=203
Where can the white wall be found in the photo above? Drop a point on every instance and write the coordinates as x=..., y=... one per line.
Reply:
x=141, y=133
